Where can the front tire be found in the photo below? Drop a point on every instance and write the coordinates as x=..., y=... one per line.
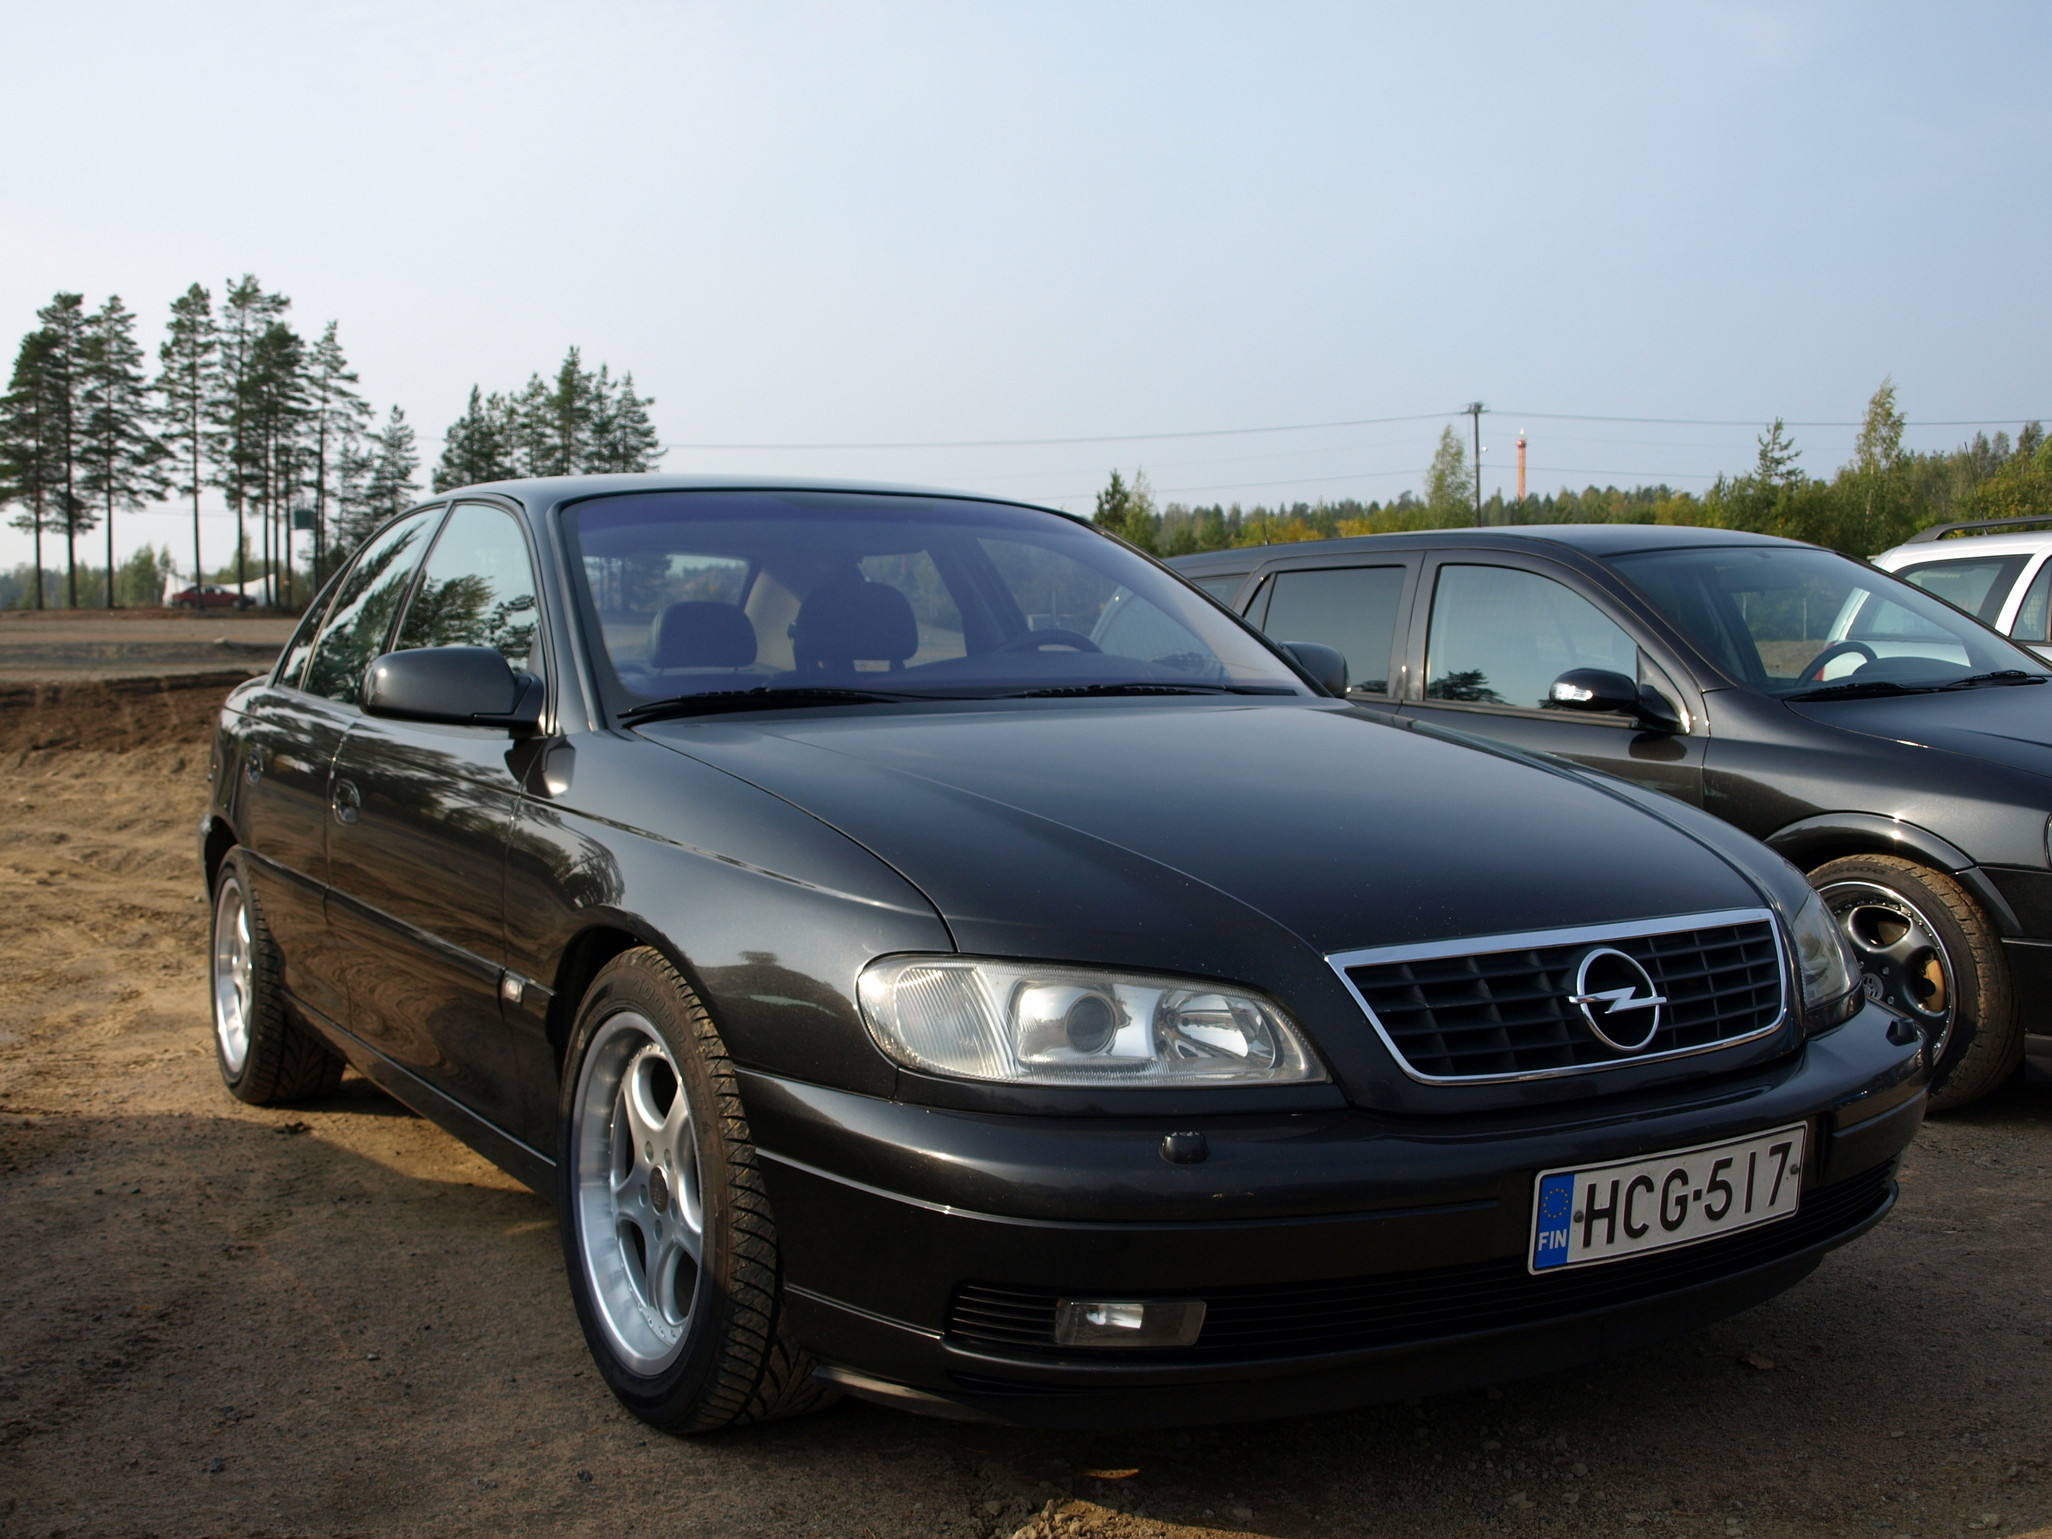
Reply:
x=265, y=1057
x=1927, y=949
x=667, y=1233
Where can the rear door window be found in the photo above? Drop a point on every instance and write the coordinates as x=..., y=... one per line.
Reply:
x=2036, y=610
x=1353, y=609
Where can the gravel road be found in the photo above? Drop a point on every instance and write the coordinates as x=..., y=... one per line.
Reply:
x=216, y=1319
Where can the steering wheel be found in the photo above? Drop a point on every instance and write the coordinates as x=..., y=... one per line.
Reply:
x=1054, y=636
x=1815, y=671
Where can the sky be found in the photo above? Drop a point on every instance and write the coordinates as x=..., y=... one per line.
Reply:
x=932, y=237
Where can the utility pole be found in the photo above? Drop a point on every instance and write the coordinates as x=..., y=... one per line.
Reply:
x=1475, y=409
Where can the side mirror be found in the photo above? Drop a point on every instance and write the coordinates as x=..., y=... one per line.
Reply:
x=1326, y=665
x=467, y=686
x=1598, y=689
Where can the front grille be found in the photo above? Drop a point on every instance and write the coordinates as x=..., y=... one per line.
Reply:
x=1404, y=1308
x=1467, y=1013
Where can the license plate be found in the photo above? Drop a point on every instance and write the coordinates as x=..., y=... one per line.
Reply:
x=1607, y=1212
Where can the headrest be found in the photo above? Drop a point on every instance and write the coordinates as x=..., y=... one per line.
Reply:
x=849, y=620
x=693, y=634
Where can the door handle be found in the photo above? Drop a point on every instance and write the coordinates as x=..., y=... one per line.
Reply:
x=345, y=801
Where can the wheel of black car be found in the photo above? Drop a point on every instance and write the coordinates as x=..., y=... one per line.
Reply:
x=265, y=1056
x=1831, y=654
x=1927, y=949
x=667, y=1233
x=1053, y=636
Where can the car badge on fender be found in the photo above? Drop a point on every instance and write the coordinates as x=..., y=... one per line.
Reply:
x=1608, y=988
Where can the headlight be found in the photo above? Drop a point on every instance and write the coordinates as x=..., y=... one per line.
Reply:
x=1831, y=983
x=1020, y=1024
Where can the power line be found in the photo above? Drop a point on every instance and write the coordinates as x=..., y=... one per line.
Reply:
x=1314, y=427
x=1106, y=438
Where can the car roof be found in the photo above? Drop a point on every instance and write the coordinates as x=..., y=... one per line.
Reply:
x=1966, y=547
x=1591, y=539
x=542, y=491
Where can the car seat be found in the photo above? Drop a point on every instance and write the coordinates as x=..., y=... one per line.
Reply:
x=849, y=620
x=697, y=634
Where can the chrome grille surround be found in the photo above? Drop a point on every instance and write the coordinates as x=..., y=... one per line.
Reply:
x=1752, y=929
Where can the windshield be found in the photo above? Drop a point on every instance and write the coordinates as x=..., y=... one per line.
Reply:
x=1797, y=621
x=697, y=594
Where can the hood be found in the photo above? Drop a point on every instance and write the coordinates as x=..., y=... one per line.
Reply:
x=1192, y=835
x=2009, y=724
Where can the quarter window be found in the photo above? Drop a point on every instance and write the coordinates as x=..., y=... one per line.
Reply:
x=477, y=590
x=361, y=616
x=2032, y=615
x=1351, y=608
x=1501, y=636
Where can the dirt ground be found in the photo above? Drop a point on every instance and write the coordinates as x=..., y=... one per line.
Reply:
x=216, y=1319
x=37, y=645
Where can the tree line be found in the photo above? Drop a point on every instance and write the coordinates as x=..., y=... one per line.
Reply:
x=1876, y=500
x=241, y=404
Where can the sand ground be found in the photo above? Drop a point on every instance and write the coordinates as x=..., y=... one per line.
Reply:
x=335, y=1319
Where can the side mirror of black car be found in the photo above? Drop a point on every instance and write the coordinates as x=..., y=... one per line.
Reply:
x=1598, y=689
x=1326, y=665
x=470, y=686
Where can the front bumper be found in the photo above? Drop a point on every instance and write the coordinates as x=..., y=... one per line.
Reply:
x=1347, y=1257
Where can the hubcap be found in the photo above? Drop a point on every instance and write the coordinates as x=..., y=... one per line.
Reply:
x=1900, y=952
x=234, y=974
x=640, y=1224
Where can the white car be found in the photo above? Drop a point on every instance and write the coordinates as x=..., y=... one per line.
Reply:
x=2002, y=578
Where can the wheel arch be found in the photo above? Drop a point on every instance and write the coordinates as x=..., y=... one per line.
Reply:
x=1811, y=842
x=585, y=955
x=217, y=838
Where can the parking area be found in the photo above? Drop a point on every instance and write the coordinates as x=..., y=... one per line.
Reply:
x=216, y=1318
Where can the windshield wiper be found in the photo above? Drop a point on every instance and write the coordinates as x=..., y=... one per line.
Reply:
x=1062, y=690
x=1856, y=690
x=1999, y=676
x=714, y=701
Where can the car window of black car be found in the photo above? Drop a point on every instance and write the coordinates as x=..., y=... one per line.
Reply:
x=361, y=615
x=1977, y=584
x=292, y=662
x=2036, y=610
x=1501, y=636
x=1350, y=608
x=1793, y=619
x=477, y=590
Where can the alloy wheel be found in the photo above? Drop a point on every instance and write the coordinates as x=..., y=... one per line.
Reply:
x=640, y=1217
x=1901, y=954
x=234, y=974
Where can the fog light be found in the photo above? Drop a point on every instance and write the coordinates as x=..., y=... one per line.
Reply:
x=1128, y=1322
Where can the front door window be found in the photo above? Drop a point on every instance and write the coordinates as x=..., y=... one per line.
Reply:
x=1501, y=636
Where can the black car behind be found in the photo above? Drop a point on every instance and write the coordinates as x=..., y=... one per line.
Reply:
x=1894, y=747
x=927, y=950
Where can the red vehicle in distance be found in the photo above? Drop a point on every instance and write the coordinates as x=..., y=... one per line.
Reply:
x=212, y=596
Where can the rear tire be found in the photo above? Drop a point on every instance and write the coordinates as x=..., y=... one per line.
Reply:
x=264, y=1055
x=667, y=1232
x=1928, y=950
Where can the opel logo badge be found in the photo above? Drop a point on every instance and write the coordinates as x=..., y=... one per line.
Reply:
x=1617, y=999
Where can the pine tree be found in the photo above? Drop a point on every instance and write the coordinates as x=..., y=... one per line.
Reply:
x=622, y=436
x=379, y=478
x=121, y=460
x=26, y=464
x=246, y=313
x=339, y=414
x=63, y=389
x=479, y=445
x=1777, y=466
x=187, y=360
x=276, y=414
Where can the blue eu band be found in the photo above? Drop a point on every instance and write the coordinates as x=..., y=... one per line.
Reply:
x=1556, y=1221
